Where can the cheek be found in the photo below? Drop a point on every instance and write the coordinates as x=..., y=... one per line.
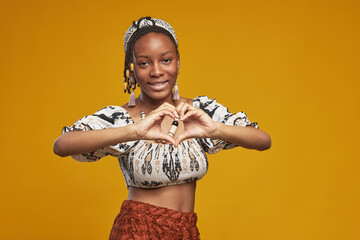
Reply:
x=140, y=75
x=172, y=70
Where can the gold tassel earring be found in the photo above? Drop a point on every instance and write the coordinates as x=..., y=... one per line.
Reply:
x=176, y=95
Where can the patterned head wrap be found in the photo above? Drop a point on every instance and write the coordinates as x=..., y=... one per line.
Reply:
x=148, y=24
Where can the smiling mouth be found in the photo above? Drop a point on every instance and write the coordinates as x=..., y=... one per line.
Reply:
x=158, y=83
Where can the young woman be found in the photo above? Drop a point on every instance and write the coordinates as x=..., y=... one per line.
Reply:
x=159, y=138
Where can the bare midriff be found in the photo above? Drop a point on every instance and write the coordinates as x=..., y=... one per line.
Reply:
x=180, y=197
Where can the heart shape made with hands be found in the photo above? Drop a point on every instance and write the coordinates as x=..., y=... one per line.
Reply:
x=194, y=126
x=193, y=123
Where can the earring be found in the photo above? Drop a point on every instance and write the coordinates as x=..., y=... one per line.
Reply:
x=176, y=95
x=132, y=101
x=131, y=81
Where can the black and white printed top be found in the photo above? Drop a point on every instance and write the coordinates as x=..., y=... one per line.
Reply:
x=146, y=164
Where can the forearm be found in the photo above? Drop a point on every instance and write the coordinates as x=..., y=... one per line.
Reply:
x=247, y=137
x=77, y=142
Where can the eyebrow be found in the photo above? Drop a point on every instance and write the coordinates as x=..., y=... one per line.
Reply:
x=166, y=52
x=148, y=56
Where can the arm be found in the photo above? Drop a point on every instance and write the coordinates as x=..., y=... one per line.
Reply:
x=247, y=137
x=77, y=142
x=199, y=125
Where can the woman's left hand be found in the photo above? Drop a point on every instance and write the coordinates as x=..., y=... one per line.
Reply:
x=197, y=124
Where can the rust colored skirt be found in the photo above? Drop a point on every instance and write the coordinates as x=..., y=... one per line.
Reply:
x=138, y=220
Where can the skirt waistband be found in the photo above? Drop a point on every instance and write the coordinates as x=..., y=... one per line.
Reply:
x=144, y=209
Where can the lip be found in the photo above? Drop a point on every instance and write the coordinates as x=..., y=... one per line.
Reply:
x=158, y=85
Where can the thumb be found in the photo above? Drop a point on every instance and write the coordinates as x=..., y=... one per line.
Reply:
x=167, y=138
x=181, y=138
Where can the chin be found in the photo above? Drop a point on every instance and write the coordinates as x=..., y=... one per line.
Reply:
x=158, y=95
x=161, y=96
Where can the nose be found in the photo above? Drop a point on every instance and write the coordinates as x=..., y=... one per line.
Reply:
x=156, y=71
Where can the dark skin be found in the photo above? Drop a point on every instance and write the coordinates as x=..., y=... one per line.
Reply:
x=156, y=60
x=156, y=69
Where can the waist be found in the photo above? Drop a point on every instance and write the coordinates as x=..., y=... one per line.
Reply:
x=179, y=197
x=143, y=209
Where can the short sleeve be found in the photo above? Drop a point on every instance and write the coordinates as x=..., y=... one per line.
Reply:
x=108, y=117
x=221, y=114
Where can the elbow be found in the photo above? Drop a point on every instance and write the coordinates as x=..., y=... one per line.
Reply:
x=265, y=143
x=59, y=147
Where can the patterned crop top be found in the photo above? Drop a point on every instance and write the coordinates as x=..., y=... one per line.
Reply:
x=146, y=164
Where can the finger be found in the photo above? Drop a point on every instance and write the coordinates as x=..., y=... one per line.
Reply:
x=168, y=138
x=170, y=109
x=166, y=105
x=181, y=138
x=178, y=107
x=161, y=114
x=191, y=113
x=183, y=109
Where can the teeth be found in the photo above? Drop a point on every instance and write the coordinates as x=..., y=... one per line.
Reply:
x=158, y=84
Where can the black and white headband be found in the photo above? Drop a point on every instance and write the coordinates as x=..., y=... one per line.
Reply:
x=147, y=22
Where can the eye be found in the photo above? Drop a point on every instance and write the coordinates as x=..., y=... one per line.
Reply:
x=143, y=64
x=167, y=60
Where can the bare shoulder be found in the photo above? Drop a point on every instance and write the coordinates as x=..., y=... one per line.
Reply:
x=186, y=100
x=132, y=111
x=129, y=109
x=126, y=107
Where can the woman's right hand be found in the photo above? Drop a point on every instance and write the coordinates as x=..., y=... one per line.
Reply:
x=150, y=127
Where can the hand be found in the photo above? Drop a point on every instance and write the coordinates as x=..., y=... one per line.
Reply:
x=197, y=124
x=150, y=127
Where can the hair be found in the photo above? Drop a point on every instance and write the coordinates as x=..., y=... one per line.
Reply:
x=130, y=46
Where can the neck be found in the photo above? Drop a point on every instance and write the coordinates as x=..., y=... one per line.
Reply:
x=149, y=104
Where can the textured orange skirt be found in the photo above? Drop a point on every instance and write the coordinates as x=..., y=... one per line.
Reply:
x=138, y=220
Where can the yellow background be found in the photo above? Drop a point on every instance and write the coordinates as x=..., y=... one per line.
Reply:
x=293, y=66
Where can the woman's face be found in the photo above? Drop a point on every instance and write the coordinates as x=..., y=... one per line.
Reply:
x=156, y=65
